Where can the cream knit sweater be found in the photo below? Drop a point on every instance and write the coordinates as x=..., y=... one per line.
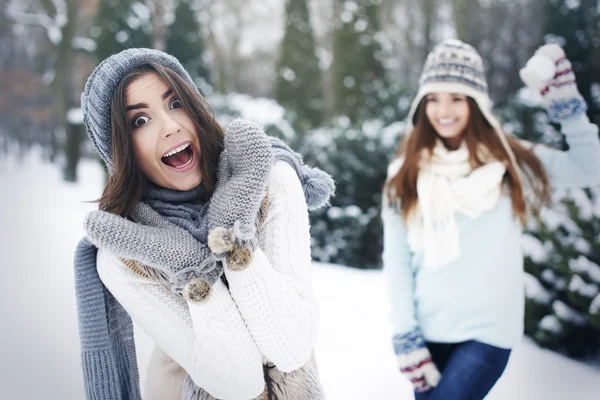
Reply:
x=269, y=311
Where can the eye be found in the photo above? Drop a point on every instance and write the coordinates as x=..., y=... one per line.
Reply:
x=430, y=99
x=140, y=121
x=175, y=104
x=458, y=99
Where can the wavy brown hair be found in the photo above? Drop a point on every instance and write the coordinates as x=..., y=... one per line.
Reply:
x=402, y=188
x=127, y=185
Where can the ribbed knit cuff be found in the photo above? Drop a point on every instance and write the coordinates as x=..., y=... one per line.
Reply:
x=100, y=375
x=566, y=108
x=408, y=342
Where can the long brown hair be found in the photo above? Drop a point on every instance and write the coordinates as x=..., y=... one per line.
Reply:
x=126, y=186
x=402, y=188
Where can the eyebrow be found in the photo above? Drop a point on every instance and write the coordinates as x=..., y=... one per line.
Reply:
x=144, y=105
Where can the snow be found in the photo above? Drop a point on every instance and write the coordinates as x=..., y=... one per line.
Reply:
x=566, y=313
x=75, y=116
x=553, y=219
x=84, y=43
x=42, y=222
x=551, y=323
x=535, y=291
x=578, y=285
x=582, y=265
x=533, y=248
x=585, y=208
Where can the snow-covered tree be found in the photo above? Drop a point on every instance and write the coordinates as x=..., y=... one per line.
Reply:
x=121, y=24
x=299, y=85
x=358, y=77
x=562, y=250
x=185, y=41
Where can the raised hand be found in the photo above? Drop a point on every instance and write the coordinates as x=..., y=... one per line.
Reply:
x=241, y=186
x=550, y=73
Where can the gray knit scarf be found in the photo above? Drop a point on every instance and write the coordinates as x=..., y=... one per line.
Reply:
x=106, y=331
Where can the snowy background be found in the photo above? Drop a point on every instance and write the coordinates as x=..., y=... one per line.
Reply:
x=334, y=79
x=41, y=219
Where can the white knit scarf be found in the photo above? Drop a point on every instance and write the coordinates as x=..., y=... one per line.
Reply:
x=447, y=184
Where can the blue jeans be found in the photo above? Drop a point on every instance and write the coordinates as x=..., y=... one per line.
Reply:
x=469, y=370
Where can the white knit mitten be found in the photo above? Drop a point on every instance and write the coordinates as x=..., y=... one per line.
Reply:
x=414, y=361
x=550, y=73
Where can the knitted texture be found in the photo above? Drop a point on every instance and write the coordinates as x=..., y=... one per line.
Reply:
x=557, y=87
x=110, y=371
x=317, y=185
x=454, y=61
x=108, y=354
x=186, y=209
x=414, y=361
x=274, y=296
x=244, y=168
x=456, y=67
x=100, y=86
x=154, y=241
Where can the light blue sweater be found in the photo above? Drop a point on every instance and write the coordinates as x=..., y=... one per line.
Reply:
x=481, y=295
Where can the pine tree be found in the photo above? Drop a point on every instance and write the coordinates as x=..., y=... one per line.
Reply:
x=121, y=24
x=566, y=268
x=185, y=41
x=562, y=252
x=358, y=75
x=299, y=86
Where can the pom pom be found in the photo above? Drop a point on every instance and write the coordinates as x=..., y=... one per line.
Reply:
x=221, y=240
x=239, y=259
x=196, y=290
x=318, y=187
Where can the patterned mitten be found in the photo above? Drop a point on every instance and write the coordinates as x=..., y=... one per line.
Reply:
x=187, y=264
x=415, y=361
x=549, y=72
x=244, y=168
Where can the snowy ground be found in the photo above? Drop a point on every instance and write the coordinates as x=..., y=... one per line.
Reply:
x=41, y=220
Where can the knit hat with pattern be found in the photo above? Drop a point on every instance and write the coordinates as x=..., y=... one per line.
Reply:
x=456, y=67
x=100, y=86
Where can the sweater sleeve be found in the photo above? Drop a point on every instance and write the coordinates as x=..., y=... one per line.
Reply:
x=274, y=293
x=580, y=165
x=397, y=266
x=208, y=339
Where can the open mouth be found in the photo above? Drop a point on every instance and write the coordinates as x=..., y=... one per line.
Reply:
x=179, y=157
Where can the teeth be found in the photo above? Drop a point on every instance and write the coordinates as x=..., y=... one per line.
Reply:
x=446, y=121
x=177, y=150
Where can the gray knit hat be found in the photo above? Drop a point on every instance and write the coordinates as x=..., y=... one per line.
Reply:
x=100, y=86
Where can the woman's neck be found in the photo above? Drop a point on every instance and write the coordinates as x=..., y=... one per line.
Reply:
x=452, y=143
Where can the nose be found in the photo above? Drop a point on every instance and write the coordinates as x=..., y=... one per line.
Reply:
x=443, y=108
x=170, y=125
